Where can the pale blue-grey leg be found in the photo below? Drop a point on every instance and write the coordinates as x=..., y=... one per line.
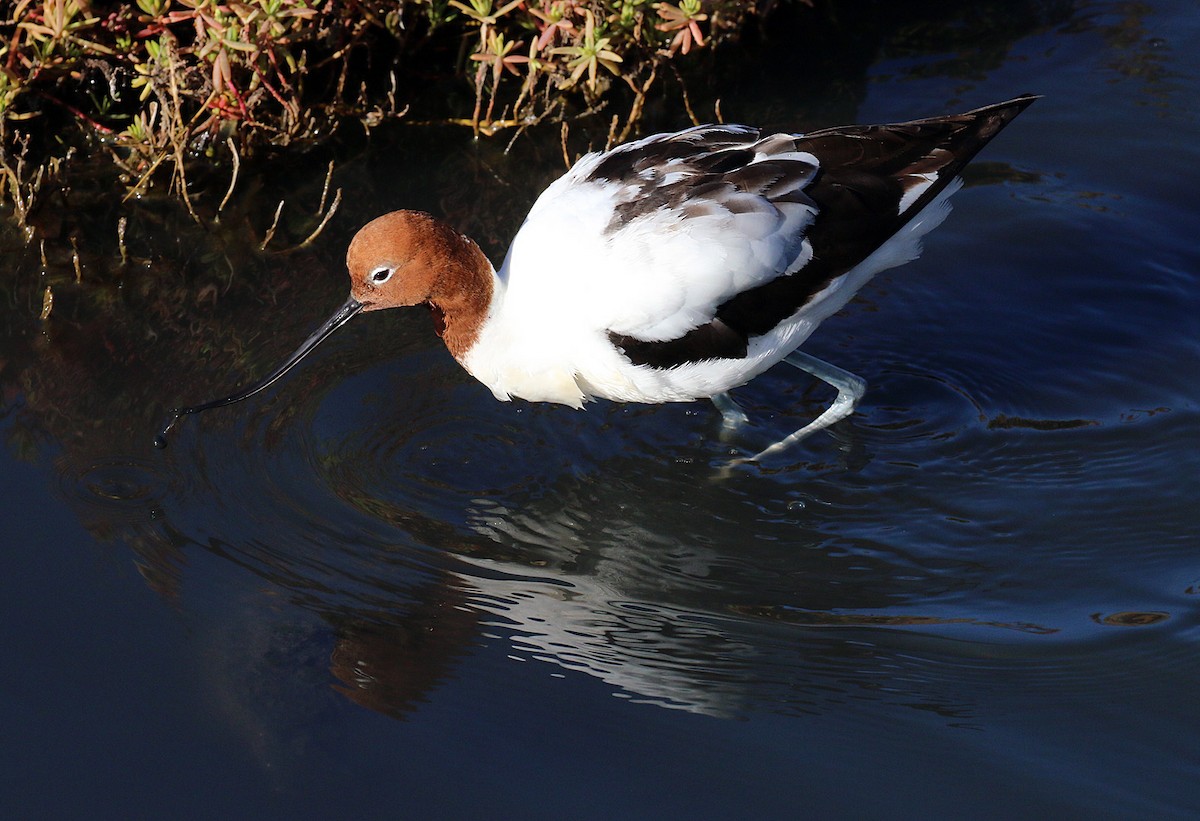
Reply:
x=850, y=390
x=732, y=416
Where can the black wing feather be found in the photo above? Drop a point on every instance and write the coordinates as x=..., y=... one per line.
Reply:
x=863, y=176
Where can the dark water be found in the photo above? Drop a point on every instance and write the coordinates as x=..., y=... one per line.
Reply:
x=375, y=591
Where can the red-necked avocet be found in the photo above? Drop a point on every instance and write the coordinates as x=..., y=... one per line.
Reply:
x=673, y=268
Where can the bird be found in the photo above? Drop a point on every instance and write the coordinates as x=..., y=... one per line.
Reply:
x=672, y=268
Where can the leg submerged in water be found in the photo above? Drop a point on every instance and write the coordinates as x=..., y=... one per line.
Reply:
x=732, y=416
x=850, y=390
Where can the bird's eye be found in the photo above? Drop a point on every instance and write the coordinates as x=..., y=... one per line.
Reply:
x=381, y=274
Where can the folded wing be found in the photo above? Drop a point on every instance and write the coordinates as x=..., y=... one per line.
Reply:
x=691, y=244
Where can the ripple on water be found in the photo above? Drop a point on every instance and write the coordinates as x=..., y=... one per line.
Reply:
x=120, y=485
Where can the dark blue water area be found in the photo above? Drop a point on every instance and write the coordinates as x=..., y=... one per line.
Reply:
x=374, y=590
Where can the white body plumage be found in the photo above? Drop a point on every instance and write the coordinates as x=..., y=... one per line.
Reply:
x=571, y=277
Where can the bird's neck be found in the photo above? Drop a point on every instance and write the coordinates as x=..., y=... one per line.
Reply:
x=462, y=299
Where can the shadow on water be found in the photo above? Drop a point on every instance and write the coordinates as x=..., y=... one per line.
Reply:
x=906, y=558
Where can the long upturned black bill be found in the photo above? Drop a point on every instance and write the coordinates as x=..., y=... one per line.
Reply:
x=343, y=315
